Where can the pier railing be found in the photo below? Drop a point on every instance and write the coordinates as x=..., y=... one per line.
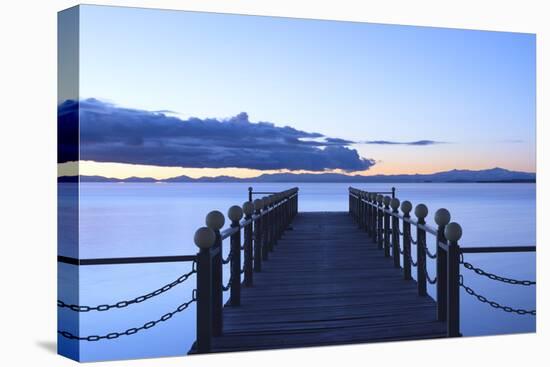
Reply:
x=253, y=237
x=264, y=222
x=379, y=216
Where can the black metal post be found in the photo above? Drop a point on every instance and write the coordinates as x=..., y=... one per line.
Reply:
x=374, y=219
x=204, y=301
x=395, y=239
x=421, y=258
x=258, y=239
x=217, y=287
x=250, y=193
x=441, y=275
x=266, y=223
x=453, y=290
x=386, y=229
x=235, y=240
x=406, y=247
x=248, y=274
x=380, y=228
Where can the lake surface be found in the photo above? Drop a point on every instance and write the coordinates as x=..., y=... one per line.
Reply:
x=132, y=219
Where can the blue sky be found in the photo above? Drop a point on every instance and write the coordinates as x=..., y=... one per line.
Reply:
x=474, y=91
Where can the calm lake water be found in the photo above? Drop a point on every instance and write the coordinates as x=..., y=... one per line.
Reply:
x=120, y=220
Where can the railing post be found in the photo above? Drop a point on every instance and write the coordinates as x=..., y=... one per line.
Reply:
x=258, y=223
x=442, y=218
x=250, y=194
x=296, y=199
x=248, y=209
x=406, y=208
x=266, y=223
x=367, y=213
x=350, y=201
x=386, y=226
x=453, y=232
x=235, y=214
x=363, y=199
x=204, y=239
x=373, y=212
x=379, y=225
x=215, y=221
x=393, y=192
x=421, y=211
x=394, y=203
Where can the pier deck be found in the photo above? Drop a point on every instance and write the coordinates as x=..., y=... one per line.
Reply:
x=327, y=283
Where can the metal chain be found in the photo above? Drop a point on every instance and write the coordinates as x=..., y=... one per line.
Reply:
x=131, y=331
x=494, y=304
x=227, y=287
x=430, y=280
x=491, y=276
x=414, y=264
x=427, y=250
x=122, y=304
x=228, y=259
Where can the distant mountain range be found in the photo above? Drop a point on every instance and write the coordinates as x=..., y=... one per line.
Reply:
x=488, y=175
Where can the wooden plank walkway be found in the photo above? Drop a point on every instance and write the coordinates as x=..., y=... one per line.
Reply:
x=326, y=283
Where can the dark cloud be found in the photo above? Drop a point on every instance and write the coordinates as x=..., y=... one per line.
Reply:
x=109, y=133
x=418, y=142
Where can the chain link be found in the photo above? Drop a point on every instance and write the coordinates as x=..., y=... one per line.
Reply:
x=227, y=287
x=414, y=264
x=430, y=280
x=126, y=303
x=131, y=331
x=427, y=250
x=495, y=304
x=498, y=278
x=228, y=259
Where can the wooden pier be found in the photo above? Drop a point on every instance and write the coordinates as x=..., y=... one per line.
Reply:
x=327, y=283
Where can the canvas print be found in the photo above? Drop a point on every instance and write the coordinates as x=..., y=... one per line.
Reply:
x=236, y=183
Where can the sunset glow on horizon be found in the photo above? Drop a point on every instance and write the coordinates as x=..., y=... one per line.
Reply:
x=123, y=171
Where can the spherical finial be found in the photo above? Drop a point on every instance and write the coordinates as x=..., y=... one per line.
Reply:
x=387, y=200
x=379, y=198
x=265, y=201
x=204, y=237
x=453, y=231
x=215, y=220
x=258, y=204
x=442, y=217
x=394, y=203
x=421, y=211
x=235, y=213
x=406, y=207
x=248, y=208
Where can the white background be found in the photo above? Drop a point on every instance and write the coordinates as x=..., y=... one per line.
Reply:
x=28, y=185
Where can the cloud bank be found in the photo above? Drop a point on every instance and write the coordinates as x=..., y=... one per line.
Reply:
x=109, y=133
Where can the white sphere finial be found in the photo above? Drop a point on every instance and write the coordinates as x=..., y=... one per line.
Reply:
x=394, y=203
x=215, y=220
x=204, y=237
x=406, y=207
x=248, y=208
x=442, y=217
x=453, y=231
x=421, y=211
x=235, y=213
